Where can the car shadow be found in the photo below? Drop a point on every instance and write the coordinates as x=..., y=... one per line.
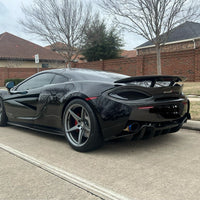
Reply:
x=126, y=145
x=115, y=146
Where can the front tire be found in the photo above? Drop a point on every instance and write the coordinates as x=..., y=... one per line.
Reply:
x=3, y=117
x=81, y=127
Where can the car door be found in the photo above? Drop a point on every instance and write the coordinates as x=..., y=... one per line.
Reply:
x=21, y=105
x=51, y=100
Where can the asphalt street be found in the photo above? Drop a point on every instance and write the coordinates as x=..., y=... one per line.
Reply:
x=37, y=166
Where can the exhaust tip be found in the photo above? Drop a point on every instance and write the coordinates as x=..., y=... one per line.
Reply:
x=134, y=127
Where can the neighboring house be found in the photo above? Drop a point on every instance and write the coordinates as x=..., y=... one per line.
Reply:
x=61, y=48
x=16, y=52
x=183, y=37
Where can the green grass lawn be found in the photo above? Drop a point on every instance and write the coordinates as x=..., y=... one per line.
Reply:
x=191, y=88
x=195, y=110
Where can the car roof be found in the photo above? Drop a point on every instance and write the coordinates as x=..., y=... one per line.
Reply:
x=88, y=74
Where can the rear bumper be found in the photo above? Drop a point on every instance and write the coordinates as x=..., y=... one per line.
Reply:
x=147, y=119
x=149, y=130
x=160, y=111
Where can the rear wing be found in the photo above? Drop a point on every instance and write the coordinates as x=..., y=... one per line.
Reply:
x=152, y=81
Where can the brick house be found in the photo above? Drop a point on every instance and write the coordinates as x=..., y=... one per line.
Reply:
x=183, y=37
x=16, y=52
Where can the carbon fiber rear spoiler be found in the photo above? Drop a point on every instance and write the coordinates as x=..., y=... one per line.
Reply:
x=153, y=79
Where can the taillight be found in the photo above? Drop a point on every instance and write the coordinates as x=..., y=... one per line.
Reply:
x=90, y=98
x=145, y=107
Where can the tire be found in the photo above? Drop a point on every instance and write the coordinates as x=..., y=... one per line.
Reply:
x=3, y=117
x=81, y=127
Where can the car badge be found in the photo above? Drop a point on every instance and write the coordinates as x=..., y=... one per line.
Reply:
x=168, y=92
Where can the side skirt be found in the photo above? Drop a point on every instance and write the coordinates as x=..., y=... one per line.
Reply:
x=40, y=129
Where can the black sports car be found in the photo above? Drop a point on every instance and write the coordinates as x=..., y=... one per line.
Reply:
x=90, y=106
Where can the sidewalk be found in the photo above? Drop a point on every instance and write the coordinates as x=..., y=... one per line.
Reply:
x=20, y=180
x=192, y=125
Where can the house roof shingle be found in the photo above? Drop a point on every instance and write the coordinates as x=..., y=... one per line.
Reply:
x=58, y=46
x=13, y=47
x=187, y=30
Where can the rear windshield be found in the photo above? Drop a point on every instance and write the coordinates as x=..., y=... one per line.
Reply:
x=96, y=76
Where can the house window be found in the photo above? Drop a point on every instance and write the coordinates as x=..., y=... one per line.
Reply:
x=45, y=65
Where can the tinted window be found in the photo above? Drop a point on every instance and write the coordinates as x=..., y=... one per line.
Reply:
x=83, y=74
x=36, y=82
x=59, y=79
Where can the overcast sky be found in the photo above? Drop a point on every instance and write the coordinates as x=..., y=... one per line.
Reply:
x=10, y=13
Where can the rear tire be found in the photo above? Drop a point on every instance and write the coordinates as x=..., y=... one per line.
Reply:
x=81, y=127
x=3, y=117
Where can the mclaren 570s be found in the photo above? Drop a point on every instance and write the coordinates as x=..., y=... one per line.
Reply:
x=89, y=107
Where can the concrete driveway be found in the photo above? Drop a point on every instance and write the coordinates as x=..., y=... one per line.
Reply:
x=163, y=168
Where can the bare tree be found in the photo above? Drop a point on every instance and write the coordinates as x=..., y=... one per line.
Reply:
x=58, y=22
x=152, y=19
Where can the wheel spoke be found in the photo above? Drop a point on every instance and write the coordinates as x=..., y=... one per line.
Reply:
x=87, y=123
x=74, y=128
x=82, y=114
x=80, y=136
x=87, y=128
x=75, y=116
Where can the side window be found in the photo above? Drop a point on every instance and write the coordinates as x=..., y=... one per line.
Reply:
x=36, y=82
x=59, y=79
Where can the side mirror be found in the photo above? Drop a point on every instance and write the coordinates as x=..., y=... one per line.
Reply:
x=10, y=85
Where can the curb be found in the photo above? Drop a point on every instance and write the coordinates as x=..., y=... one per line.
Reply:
x=192, y=125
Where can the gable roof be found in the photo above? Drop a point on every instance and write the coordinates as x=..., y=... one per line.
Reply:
x=55, y=46
x=16, y=48
x=58, y=46
x=185, y=31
